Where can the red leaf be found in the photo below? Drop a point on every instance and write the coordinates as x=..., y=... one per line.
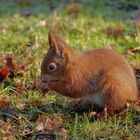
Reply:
x=130, y=49
x=3, y=74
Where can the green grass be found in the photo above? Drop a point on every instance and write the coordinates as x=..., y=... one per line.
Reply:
x=26, y=39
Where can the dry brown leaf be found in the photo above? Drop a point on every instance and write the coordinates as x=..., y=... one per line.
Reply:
x=73, y=8
x=9, y=62
x=35, y=102
x=12, y=65
x=114, y=32
x=4, y=102
x=5, y=131
x=51, y=127
x=20, y=88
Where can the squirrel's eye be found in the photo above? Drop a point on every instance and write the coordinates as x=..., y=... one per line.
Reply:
x=52, y=67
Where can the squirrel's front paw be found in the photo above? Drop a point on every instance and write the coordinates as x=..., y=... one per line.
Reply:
x=75, y=106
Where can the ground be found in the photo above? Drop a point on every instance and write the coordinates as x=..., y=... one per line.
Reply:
x=25, y=113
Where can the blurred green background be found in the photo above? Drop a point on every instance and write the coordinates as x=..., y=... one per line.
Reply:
x=108, y=9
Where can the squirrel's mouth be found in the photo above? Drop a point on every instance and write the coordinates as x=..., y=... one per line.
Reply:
x=52, y=81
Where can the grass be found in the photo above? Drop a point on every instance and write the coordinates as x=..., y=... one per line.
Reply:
x=26, y=39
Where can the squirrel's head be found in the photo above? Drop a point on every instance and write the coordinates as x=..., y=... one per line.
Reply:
x=55, y=63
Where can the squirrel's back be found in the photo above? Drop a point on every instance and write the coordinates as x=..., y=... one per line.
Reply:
x=98, y=68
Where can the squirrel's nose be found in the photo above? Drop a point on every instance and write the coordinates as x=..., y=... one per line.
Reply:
x=44, y=87
x=44, y=90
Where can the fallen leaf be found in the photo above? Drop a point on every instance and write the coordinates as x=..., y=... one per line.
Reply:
x=27, y=130
x=20, y=88
x=110, y=111
x=5, y=131
x=73, y=8
x=9, y=62
x=3, y=73
x=4, y=102
x=51, y=128
x=133, y=50
x=35, y=102
x=138, y=103
x=114, y=32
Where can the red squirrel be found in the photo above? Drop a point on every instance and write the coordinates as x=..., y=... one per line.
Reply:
x=101, y=76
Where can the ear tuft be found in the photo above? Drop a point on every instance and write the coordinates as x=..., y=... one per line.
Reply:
x=52, y=39
x=55, y=43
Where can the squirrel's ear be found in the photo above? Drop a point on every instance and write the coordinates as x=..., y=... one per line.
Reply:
x=60, y=48
x=56, y=44
x=53, y=41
